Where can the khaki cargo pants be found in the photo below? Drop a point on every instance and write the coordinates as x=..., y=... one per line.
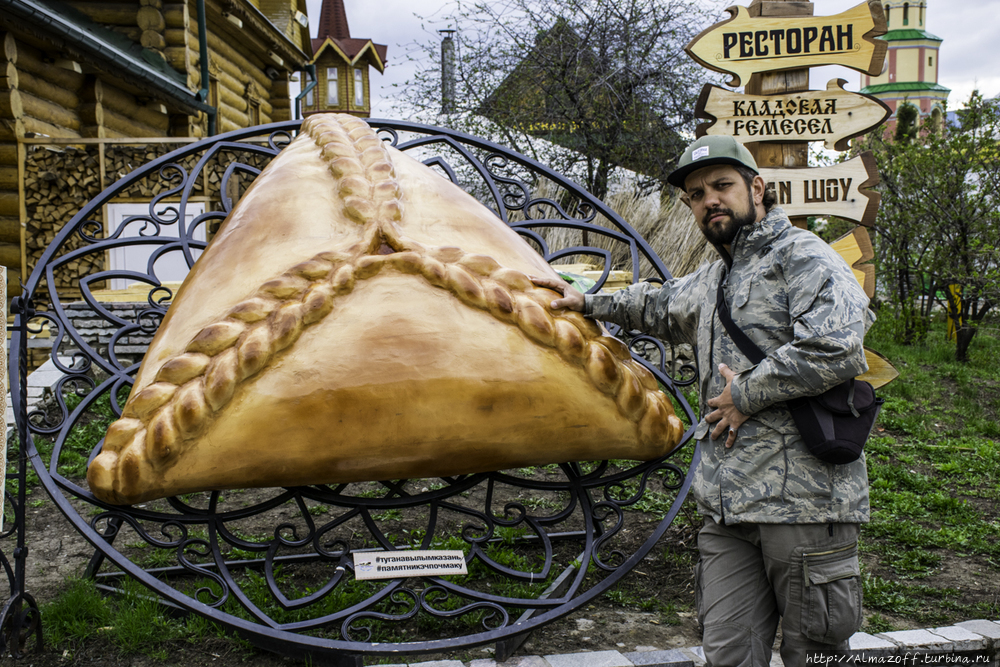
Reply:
x=750, y=575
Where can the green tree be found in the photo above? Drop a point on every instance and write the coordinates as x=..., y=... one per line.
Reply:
x=906, y=122
x=939, y=230
x=605, y=82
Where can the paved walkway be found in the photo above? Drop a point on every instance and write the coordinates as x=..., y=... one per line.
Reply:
x=40, y=382
x=970, y=643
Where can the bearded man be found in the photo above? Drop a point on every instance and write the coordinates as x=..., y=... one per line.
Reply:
x=779, y=540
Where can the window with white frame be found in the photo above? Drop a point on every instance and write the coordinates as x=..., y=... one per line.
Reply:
x=309, y=94
x=359, y=88
x=332, y=86
x=169, y=267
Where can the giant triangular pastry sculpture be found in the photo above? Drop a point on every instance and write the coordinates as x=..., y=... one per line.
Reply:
x=358, y=317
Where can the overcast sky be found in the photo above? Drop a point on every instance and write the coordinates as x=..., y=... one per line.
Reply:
x=970, y=53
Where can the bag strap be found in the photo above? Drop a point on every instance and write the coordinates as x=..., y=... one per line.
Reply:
x=747, y=346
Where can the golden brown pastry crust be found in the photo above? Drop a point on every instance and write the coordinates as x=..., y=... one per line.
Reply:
x=387, y=354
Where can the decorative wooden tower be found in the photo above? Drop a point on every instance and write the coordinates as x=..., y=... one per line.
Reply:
x=912, y=72
x=342, y=65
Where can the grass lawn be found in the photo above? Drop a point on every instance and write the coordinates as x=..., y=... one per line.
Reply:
x=931, y=553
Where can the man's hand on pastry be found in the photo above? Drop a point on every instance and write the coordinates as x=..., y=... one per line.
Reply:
x=725, y=414
x=572, y=298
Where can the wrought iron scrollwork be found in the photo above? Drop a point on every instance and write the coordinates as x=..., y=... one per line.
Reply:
x=277, y=564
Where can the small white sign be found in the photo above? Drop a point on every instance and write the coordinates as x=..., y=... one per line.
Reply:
x=397, y=564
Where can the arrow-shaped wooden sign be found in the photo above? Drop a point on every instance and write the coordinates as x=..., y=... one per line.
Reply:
x=743, y=45
x=833, y=115
x=841, y=189
x=880, y=372
x=856, y=249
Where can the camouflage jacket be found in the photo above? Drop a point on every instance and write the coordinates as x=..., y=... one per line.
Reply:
x=799, y=302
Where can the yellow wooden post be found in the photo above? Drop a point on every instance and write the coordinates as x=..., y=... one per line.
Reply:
x=954, y=297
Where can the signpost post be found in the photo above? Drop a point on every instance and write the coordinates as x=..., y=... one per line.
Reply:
x=788, y=153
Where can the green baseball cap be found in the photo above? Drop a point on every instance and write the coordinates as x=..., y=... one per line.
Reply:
x=710, y=150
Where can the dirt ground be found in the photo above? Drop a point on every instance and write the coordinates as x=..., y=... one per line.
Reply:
x=57, y=553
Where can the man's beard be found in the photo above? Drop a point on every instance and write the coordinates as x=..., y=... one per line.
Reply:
x=726, y=232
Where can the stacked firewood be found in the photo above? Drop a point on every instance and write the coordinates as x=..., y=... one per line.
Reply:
x=58, y=181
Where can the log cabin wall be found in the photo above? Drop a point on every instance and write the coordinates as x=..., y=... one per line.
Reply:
x=50, y=87
x=37, y=98
x=61, y=177
x=239, y=60
x=10, y=205
x=237, y=66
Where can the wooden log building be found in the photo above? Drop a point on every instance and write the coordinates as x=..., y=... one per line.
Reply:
x=109, y=72
x=341, y=65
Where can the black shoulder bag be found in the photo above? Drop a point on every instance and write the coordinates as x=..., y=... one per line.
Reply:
x=835, y=424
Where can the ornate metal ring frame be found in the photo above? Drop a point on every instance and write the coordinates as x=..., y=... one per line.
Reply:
x=275, y=565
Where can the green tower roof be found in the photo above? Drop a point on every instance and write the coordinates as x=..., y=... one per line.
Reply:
x=909, y=34
x=904, y=87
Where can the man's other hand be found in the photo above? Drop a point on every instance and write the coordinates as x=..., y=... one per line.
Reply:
x=571, y=299
x=725, y=413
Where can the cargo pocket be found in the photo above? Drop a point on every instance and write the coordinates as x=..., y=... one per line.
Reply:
x=831, y=605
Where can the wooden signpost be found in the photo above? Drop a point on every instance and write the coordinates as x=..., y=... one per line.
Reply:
x=773, y=43
x=842, y=189
x=744, y=44
x=833, y=116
